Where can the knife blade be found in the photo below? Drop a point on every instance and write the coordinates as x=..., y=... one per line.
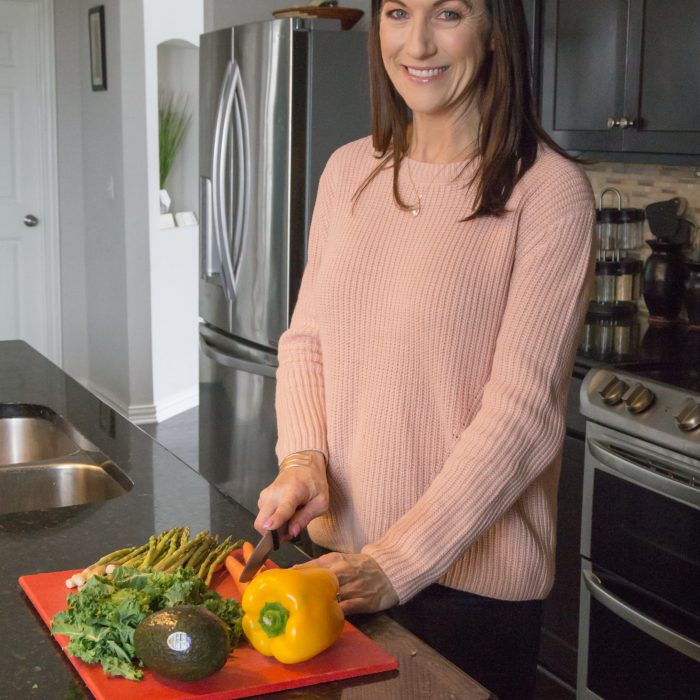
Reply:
x=267, y=544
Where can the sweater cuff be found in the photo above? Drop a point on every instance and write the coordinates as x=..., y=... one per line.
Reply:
x=405, y=574
x=301, y=413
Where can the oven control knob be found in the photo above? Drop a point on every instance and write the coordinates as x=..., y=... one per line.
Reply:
x=638, y=398
x=613, y=391
x=688, y=418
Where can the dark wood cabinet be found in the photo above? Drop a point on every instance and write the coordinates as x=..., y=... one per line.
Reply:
x=532, y=16
x=622, y=76
x=559, y=635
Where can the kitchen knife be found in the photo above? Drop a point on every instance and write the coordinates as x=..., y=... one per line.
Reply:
x=268, y=542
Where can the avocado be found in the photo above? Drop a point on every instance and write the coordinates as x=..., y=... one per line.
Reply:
x=185, y=642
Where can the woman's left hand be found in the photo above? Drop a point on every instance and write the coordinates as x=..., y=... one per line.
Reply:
x=364, y=588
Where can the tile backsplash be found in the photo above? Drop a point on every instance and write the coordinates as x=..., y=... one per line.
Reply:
x=641, y=185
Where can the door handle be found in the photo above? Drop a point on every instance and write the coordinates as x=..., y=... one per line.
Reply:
x=642, y=622
x=665, y=477
x=30, y=220
x=237, y=363
x=218, y=179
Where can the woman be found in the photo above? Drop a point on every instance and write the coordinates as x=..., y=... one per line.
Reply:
x=423, y=379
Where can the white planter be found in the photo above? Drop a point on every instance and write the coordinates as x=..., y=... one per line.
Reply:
x=164, y=201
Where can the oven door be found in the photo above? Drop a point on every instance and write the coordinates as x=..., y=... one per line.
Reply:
x=639, y=631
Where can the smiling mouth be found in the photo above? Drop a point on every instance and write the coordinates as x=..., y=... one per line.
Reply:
x=425, y=72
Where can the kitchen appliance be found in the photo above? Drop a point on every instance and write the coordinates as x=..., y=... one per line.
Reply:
x=276, y=99
x=664, y=280
x=639, y=616
x=666, y=222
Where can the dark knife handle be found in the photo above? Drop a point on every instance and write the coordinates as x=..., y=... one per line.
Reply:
x=276, y=541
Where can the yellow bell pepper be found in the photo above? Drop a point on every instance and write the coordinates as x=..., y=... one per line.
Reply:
x=292, y=614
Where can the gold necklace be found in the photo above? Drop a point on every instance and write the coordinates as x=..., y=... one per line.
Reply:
x=416, y=208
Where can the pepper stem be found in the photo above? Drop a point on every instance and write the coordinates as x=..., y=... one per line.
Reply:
x=273, y=619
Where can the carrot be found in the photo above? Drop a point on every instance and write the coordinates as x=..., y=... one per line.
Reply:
x=235, y=568
x=247, y=551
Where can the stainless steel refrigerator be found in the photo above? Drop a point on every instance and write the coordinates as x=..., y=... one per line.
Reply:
x=276, y=99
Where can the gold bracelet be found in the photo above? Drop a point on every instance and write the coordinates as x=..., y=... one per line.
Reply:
x=296, y=460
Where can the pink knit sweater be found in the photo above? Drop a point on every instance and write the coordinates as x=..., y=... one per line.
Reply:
x=429, y=359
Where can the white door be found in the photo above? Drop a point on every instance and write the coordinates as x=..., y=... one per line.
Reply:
x=28, y=250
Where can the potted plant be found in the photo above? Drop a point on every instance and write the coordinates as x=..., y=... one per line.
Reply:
x=173, y=119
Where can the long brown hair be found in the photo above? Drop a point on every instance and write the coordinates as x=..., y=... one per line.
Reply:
x=510, y=132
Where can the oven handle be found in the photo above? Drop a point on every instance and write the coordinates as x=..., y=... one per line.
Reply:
x=646, y=624
x=642, y=474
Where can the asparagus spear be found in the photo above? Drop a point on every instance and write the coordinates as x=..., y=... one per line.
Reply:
x=223, y=551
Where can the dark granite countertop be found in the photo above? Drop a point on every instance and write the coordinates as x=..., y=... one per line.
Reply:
x=166, y=493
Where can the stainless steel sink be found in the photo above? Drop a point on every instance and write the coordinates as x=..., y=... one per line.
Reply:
x=46, y=463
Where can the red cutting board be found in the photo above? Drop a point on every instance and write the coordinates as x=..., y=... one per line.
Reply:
x=246, y=673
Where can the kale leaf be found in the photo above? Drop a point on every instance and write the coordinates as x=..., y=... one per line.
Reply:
x=102, y=617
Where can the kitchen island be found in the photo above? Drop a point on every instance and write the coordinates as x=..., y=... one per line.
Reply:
x=165, y=493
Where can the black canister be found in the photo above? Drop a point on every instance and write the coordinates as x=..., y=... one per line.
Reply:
x=692, y=295
x=663, y=283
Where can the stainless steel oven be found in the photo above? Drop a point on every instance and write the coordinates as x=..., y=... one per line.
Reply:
x=639, y=617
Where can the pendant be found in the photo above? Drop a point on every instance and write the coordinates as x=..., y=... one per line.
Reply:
x=416, y=210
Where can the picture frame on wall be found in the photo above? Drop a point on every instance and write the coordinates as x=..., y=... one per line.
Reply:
x=98, y=58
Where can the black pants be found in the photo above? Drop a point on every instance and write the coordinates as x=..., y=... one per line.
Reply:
x=494, y=641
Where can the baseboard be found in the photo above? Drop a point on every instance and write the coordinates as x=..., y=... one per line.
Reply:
x=183, y=401
x=148, y=413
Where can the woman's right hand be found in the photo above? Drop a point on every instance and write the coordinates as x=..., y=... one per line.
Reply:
x=297, y=495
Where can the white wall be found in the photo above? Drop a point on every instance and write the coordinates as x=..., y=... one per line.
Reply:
x=108, y=199
x=173, y=252
x=104, y=214
x=70, y=180
x=178, y=73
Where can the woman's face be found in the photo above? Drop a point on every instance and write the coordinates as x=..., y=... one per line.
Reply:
x=432, y=50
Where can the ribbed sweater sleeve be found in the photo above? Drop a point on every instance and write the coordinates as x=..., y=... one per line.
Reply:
x=518, y=429
x=299, y=398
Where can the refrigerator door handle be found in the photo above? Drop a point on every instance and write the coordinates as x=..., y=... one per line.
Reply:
x=209, y=260
x=220, y=147
x=243, y=172
x=235, y=362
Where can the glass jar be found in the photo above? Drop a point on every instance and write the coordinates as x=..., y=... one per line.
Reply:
x=628, y=280
x=607, y=225
x=606, y=281
x=604, y=337
x=625, y=337
x=630, y=229
x=610, y=333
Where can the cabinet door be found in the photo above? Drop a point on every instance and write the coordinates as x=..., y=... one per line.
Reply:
x=584, y=45
x=533, y=10
x=663, y=78
x=559, y=634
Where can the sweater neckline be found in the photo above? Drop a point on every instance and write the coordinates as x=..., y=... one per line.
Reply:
x=425, y=173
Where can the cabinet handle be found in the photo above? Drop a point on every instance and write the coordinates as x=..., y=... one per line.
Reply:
x=622, y=122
